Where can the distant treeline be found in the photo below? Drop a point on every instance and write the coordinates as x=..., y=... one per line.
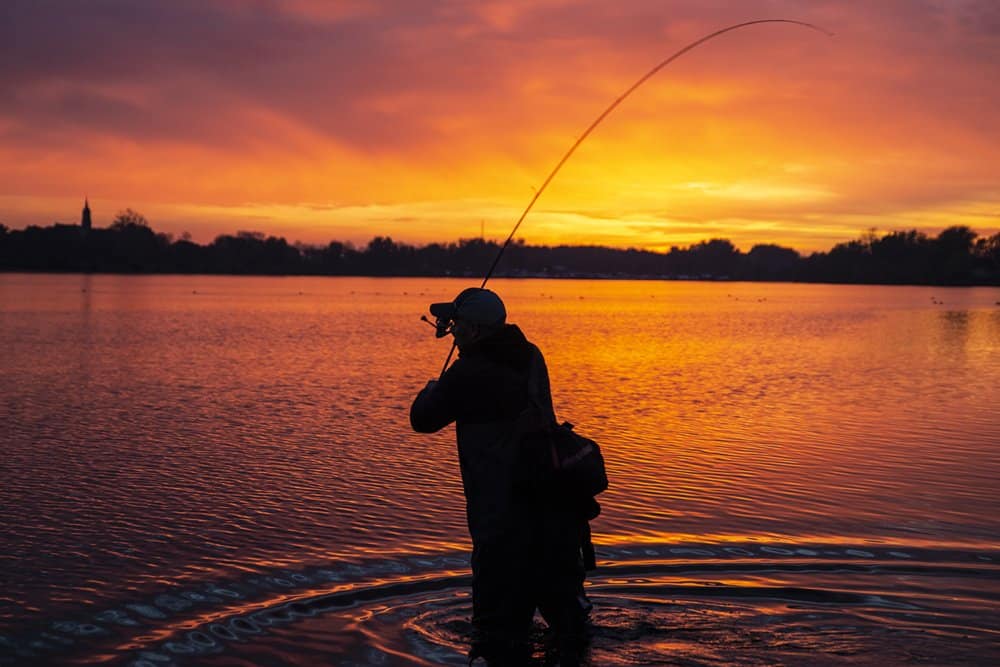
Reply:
x=957, y=256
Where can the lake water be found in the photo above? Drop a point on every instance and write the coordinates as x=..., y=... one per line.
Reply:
x=220, y=470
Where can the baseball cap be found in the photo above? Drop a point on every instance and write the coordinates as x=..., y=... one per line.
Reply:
x=475, y=304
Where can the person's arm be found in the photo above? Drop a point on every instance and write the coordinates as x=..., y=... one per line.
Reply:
x=431, y=410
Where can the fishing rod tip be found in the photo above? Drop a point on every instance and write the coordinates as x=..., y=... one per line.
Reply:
x=819, y=28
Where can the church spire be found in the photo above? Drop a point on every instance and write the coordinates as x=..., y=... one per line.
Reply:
x=85, y=218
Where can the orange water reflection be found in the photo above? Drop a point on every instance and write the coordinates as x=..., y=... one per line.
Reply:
x=179, y=428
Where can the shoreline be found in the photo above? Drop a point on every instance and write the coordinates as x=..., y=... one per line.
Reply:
x=527, y=276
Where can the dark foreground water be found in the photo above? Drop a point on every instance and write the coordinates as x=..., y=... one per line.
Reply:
x=219, y=471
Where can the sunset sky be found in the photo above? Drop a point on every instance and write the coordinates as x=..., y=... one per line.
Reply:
x=319, y=120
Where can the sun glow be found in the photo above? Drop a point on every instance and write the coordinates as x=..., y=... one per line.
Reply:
x=430, y=128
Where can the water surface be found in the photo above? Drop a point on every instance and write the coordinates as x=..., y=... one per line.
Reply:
x=219, y=470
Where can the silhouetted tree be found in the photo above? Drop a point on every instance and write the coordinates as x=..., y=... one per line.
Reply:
x=901, y=257
x=387, y=258
x=954, y=262
x=253, y=252
x=129, y=218
x=187, y=257
x=770, y=262
x=717, y=257
x=956, y=256
x=988, y=252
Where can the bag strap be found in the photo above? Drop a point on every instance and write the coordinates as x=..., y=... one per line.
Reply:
x=540, y=392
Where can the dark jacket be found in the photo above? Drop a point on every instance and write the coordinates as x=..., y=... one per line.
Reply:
x=497, y=392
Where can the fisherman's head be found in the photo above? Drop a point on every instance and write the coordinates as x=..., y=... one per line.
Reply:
x=473, y=315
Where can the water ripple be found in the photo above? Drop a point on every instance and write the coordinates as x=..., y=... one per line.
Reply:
x=695, y=604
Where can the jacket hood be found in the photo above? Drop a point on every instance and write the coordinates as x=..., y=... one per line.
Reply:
x=507, y=346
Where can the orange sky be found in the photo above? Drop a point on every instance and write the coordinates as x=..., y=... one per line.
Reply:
x=321, y=120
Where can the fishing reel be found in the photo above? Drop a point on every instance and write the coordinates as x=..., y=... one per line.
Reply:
x=442, y=325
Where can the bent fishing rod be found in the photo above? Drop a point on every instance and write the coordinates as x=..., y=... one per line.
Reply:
x=597, y=121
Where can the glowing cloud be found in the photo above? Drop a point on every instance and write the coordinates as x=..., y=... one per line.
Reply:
x=319, y=120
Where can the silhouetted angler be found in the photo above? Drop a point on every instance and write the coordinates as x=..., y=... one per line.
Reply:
x=85, y=216
x=526, y=537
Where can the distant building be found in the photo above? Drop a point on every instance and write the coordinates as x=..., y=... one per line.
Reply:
x=85, y=216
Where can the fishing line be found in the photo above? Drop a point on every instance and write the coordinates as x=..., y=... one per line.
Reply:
x=604, y=114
